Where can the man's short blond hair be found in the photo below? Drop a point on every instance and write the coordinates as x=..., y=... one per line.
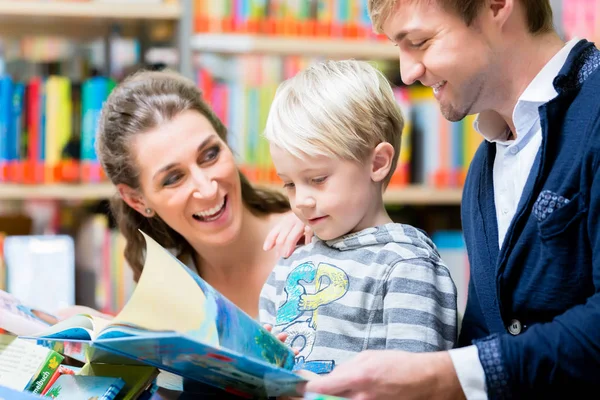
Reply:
x=538, y=12
x=336, y=108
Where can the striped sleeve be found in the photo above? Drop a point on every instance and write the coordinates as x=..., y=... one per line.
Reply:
x=267, y=301
x=419, y=307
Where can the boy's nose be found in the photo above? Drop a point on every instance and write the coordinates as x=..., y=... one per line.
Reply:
x=304, y=200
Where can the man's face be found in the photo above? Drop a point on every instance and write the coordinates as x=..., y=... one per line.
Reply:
x=438, y=49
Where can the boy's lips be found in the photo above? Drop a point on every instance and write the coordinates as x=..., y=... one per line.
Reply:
x=313, y=221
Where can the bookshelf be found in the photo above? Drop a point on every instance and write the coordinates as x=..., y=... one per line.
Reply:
x=97, y=10
x=410, y=195
x=289, y=45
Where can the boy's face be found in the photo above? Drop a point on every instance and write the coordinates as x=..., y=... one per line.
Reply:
x=438, y=49
x=334, y=197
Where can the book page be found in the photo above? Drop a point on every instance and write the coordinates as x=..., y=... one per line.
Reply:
x=81, y=327
x=17, y=318
x=19, y=361
x=168, y=298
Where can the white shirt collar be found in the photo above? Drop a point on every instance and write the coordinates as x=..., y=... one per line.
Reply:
x=541, y=90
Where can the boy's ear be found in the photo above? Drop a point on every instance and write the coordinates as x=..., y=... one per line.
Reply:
x=133, y=198
x=381, y=163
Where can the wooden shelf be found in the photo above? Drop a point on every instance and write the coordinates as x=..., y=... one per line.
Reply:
x=90, y=9
x=281, y=45
x=410, y=195
x=60, y=191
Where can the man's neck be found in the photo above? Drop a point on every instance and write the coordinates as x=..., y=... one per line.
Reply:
x=526, y=60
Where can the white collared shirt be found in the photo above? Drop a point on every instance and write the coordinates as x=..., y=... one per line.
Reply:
x=512, y=165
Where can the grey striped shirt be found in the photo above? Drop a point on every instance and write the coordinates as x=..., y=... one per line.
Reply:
x=381, y=288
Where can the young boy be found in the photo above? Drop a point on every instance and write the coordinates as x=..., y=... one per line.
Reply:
x=364, y=282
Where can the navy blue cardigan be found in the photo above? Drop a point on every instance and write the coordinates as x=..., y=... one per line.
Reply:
x=543, y=284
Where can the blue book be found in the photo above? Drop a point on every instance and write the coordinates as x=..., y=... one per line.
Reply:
x=177, y=322
x=85, y=387
x=12, y=394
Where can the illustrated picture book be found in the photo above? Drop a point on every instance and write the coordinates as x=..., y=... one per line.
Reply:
x=177, y=322
x=7, y=393
x=85, y=387
x=26, y=366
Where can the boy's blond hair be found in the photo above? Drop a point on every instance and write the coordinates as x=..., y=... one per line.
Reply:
x=336, y=108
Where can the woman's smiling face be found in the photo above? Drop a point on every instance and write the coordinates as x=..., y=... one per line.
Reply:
x=189, y=178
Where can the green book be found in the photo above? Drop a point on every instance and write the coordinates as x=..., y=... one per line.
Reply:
x=45, y=372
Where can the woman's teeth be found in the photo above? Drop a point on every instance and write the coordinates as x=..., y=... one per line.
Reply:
x=212, y=213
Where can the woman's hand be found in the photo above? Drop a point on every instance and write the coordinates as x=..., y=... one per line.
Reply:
x=287, y=234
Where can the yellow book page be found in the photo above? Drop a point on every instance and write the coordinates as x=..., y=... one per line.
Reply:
x=166, y=296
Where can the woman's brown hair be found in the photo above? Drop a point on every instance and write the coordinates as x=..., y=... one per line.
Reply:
x=140, y=103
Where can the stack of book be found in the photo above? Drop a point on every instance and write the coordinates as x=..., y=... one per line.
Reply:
x=198, y=336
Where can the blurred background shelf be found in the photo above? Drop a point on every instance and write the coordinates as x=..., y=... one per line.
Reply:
x=59, y=191
x=282, y=45
x=411, y=194
x=96, y=10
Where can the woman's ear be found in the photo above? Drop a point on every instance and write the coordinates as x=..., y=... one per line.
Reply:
x=383, y=157
x=134, y=199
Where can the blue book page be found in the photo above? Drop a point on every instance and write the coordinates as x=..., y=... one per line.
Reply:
x=239, y=332
x=85, y=387
x=221, y=368
x=12, y=394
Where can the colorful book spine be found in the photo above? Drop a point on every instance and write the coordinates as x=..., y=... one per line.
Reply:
x=48, y=368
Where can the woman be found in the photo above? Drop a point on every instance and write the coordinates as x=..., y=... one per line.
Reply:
x=165, y=150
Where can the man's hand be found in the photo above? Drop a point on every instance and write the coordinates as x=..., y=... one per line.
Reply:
x=287, y=234
x=391, y=374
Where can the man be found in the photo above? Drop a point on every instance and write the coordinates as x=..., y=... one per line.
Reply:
x=530, y=206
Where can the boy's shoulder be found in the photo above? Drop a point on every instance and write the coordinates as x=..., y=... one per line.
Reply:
x=395, y=241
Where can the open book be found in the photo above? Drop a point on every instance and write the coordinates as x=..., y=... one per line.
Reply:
x=177, y=322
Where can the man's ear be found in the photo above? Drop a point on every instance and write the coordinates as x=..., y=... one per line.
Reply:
x=134, y=199
x=381, y=162
x=500, y=11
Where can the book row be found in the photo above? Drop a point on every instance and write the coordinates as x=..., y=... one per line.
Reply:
x=324, y=18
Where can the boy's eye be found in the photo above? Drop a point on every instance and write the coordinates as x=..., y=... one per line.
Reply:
x=319, y=180
x=416, y=45
x=289, y=185
x=171, y=179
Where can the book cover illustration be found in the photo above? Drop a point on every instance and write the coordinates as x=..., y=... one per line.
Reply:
x=177, y=322
x=85, y=387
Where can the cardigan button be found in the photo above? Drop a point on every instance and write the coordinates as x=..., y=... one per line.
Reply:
x=515, y=327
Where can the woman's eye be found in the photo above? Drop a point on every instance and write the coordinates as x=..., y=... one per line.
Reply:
x=211, y=154
x=319, y=180
x=171, y=179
